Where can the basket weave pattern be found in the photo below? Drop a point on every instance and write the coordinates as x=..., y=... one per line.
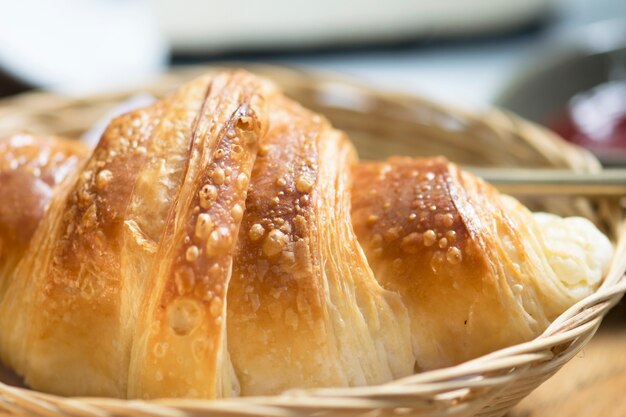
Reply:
x=380, y=124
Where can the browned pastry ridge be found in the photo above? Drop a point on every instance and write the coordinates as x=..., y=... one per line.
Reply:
x=225, y=241
x=30, y=171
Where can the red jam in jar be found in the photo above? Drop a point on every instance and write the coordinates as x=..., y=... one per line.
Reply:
x=596, y=120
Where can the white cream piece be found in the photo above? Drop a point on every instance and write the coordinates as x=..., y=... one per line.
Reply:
x=577, y=251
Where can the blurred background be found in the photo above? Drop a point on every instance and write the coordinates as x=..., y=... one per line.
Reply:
x=561, y=63
x=472, y=53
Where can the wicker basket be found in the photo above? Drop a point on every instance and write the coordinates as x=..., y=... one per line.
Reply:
x=380, y=124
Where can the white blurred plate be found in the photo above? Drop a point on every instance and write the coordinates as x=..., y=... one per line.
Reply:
x=80, y=46
x=215, y=26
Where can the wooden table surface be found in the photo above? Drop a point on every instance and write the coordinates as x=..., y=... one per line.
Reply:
x=593, y=384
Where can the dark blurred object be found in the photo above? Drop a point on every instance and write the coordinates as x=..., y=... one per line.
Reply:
x=10, y=85
x=577, y=85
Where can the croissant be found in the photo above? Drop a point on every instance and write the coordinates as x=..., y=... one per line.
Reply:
x=225, y=241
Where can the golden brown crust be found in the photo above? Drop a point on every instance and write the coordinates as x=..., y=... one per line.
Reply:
x=183, y=315
x=276, y=291
x=85, y=258
x=291, y=285
x=91, y=266
x=438, y=237
x=30, y=170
